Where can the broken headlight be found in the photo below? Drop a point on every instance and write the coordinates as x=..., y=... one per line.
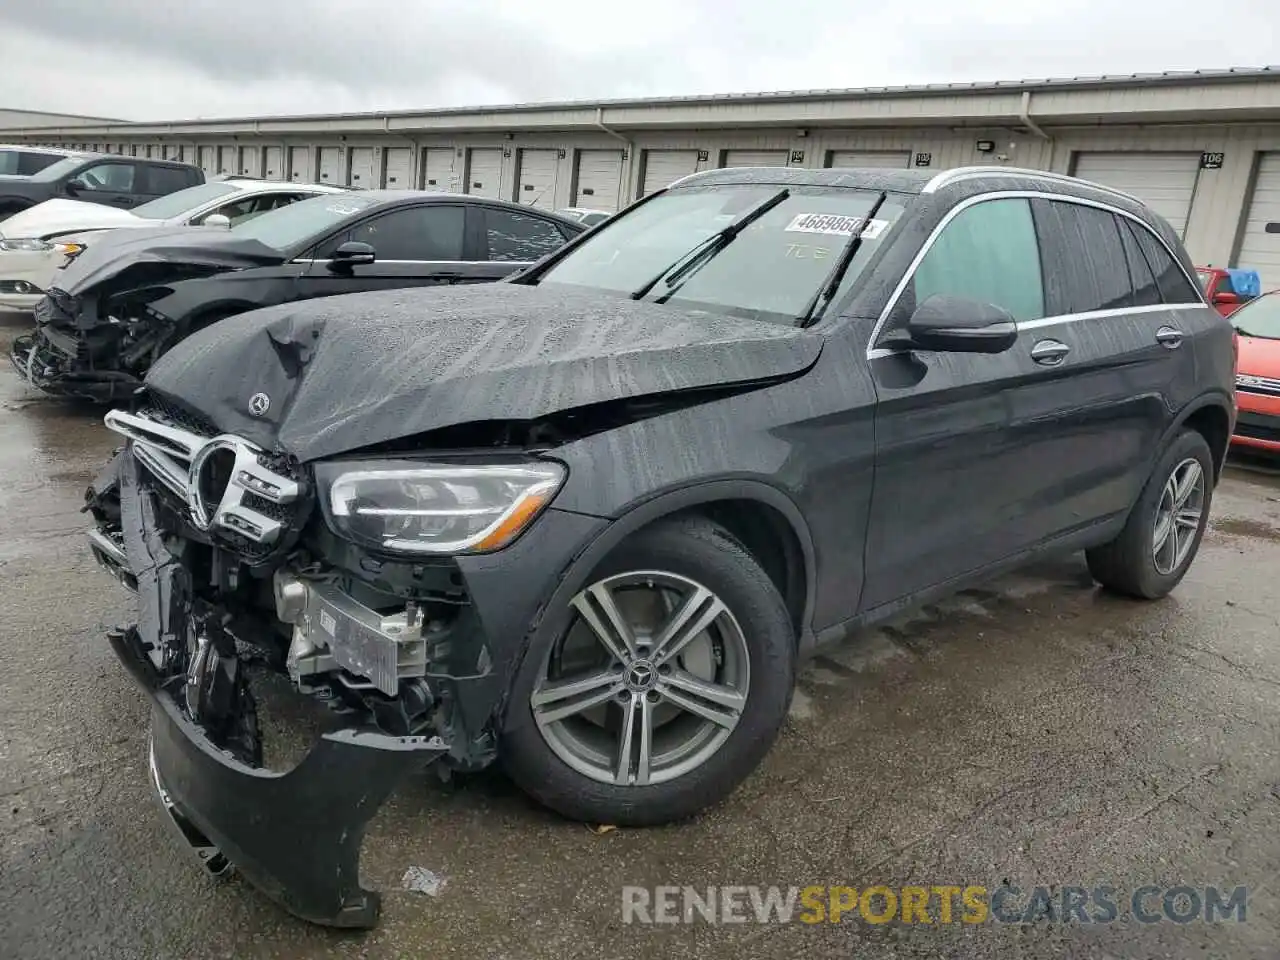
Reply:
x=406, y=507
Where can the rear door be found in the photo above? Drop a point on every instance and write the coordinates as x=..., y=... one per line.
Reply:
x=415, y=246
x=510, y=240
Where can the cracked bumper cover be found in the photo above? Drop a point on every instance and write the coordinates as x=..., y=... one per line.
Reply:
x=297, y=835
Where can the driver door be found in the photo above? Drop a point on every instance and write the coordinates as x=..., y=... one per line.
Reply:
x=961, y=437
x=413, y=246
x=114, y=182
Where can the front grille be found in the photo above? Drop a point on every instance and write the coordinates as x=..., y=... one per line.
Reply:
x=1258, y=426
x=175, y=414
x=1262, y=386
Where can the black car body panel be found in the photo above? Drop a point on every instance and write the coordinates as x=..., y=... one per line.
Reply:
x=145, y=179
x=865, y=472
x=413, y=362
x=130, y=295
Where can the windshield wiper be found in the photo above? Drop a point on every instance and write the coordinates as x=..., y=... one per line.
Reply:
x=823, y=295
x=706, y=249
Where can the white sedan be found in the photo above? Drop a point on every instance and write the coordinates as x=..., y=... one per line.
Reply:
x=35, y=243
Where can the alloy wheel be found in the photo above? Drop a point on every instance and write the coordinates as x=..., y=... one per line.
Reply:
x=647, y=683
x=1178, y=516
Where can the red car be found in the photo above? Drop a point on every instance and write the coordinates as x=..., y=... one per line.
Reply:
x=1258, y=374
x=1220, y=291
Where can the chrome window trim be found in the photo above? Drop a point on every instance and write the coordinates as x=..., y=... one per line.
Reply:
x=874, y=351
x=442, y=263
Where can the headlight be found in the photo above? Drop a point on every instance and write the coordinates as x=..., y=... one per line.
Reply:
x=29, y=245
x=405, y=507
x=33, y=245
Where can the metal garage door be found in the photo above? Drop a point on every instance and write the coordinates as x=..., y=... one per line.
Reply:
x=484, y=172
x=437, y=169
x=172, y=151
x=1166, y=182
x=755, y=158
x=665, y=167
x=300, y=164
x=251, y=161
x=599, y=179
x=869, y=158
x=207, y=162
x=536, y=178
x=188, y=153
x=399, y=168
x=1260, y=243
x=227, y=160
x=330, y=164
x=362, y=170
x=274, y=163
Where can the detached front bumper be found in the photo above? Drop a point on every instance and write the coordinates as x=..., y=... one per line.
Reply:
x=50, y=360
x=295, y=835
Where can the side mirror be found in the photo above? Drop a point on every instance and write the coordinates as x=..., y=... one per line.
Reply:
x=217, y=220
x=73, y=187
x=351, y=254
x=958, y=325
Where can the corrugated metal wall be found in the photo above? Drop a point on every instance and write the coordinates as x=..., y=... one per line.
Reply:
x=1215, y=226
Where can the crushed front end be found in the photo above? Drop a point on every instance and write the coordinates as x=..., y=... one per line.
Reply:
x=77, y=352
x=236, y=571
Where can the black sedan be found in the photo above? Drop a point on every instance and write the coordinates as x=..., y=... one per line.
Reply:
x=126, y=299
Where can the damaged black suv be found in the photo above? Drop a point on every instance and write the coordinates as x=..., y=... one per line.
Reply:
x=585, y=521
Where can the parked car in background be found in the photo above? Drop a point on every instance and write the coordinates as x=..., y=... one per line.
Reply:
x=584, y=522
x=1258, y=375
x=588, y=218
x=128, y=297
x=35, y=243
x=24, y=161
x=1227, y=289
x=98, y=178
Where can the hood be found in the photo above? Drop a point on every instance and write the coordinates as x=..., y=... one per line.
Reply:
x=115, y=252
x=66, y=216
x=1259, y=357
x=348, y=372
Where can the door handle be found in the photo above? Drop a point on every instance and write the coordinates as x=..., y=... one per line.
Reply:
x=1049, y=352
x=1169, y=337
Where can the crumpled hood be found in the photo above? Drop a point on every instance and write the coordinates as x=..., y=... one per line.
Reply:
x=56, y=217
x=347, y=372
x=113, y=253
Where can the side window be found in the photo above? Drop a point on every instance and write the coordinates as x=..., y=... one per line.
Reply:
x=1172, y=282
x=245, y=208
x=412, y=233
x=1145, y=291
x=987, y=253
x=167, y=180
x=519, y=237
x=113, y=177
x=1083, y=255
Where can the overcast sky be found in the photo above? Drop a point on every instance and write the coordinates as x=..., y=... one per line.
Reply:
x=152, y=59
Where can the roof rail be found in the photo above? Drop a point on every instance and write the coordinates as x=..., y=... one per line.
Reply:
x=948, y=177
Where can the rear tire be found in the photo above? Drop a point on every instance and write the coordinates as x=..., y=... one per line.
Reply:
x=1163, y=533
x=691, y=758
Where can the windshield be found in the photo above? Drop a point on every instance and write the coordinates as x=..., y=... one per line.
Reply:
x=1261, y=318
x=184, y=201
x=771, y=270
x=302, y=221
x=56, y=170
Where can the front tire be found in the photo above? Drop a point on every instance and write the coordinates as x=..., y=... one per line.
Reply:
x=660, y=688
x=1162, y=536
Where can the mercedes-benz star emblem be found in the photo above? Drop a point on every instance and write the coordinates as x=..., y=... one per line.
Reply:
x=259, y=404
x=641, y=676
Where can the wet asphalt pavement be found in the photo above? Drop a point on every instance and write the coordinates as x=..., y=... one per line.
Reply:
x=1039, y=732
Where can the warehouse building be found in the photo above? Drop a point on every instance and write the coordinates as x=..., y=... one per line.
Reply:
x=1202, y=148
